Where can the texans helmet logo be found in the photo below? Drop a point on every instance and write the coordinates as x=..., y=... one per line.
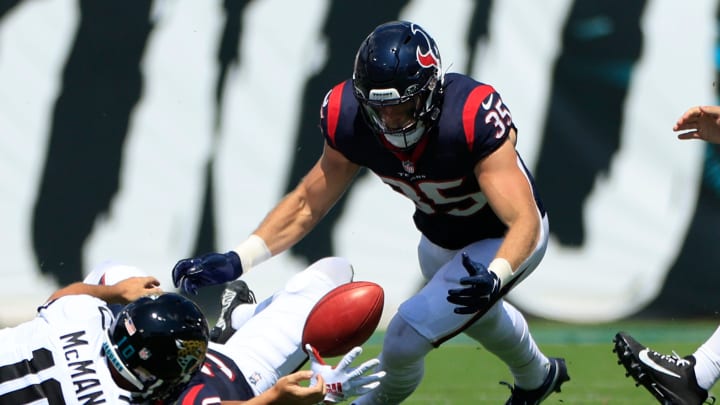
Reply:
x=429, y=58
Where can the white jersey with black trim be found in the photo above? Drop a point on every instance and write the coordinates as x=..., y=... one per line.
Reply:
x=57, y=357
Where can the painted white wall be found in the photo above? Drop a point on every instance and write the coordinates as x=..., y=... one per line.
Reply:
x=636, y=218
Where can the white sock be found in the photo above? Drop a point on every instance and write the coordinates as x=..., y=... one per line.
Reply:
x=707, y=366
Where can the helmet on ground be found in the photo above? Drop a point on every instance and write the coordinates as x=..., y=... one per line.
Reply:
x=157, y=343
x=399, y=64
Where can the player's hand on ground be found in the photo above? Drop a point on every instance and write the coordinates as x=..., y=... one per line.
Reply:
x=700, y=123
x=132, y=288
x=483, y=288
x=343, y=381
x=209, y=269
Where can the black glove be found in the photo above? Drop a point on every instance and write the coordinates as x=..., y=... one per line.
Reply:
x=210, y=269
x=482, y=292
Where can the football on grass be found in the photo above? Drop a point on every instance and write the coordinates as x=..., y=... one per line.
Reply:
x=344, y=318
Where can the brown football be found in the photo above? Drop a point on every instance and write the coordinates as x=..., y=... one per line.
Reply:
x=344, y=318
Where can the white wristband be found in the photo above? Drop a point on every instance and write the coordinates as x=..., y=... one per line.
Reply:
x=252, y=251
x=502, y=268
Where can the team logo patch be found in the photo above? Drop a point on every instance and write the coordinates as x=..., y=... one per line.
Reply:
x=408, y=166
x=644, y=357
x=254, y=378
x=144, y=353
x=427, y=58
x=190, y=353
x=334, y=388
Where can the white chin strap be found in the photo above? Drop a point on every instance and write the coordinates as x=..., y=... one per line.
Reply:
x=404, y=140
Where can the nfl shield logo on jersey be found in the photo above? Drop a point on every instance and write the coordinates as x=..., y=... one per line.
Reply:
x=408, y=166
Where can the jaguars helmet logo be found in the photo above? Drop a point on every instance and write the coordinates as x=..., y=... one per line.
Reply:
x=191, y=353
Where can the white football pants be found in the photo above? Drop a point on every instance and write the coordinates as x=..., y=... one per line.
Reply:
x=267, y=342
x=267, y=346
x=427, y=319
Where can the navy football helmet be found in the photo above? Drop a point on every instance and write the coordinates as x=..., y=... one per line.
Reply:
x=157, y=343
x=399, y=64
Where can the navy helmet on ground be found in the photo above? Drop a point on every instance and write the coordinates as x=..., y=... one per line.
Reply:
x=157, y=343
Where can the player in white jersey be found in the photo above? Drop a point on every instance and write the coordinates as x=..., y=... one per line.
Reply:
x=57, y=357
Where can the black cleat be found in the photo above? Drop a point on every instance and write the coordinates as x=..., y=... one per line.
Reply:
x=235, y=293
x=557, y=375
x=670, y=378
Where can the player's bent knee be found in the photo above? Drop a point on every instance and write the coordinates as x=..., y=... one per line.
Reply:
x=321, y=276
x=337, y=269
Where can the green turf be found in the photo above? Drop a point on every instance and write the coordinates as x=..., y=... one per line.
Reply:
x=461, y=372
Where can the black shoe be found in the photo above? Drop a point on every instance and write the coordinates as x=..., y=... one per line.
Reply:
x=557, y=375
x=235, y=293
x=671, y=379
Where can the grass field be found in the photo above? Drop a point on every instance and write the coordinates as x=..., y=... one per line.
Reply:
x=461, y=372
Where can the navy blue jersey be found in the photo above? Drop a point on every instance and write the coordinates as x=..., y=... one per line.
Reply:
x=218, y=379
x=437, y=174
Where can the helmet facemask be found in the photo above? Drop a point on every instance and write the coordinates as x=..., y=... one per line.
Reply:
x=398, y=64
x=412, y=112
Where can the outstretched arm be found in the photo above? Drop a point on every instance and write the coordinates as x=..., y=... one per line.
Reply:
x=285, y=225
x=300, y=210
x=288, y=391
x=123, y=292
x=509, y=193
x=700, y=123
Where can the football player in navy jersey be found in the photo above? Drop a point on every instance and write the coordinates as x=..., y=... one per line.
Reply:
x=446, y=142
x=156, y=349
